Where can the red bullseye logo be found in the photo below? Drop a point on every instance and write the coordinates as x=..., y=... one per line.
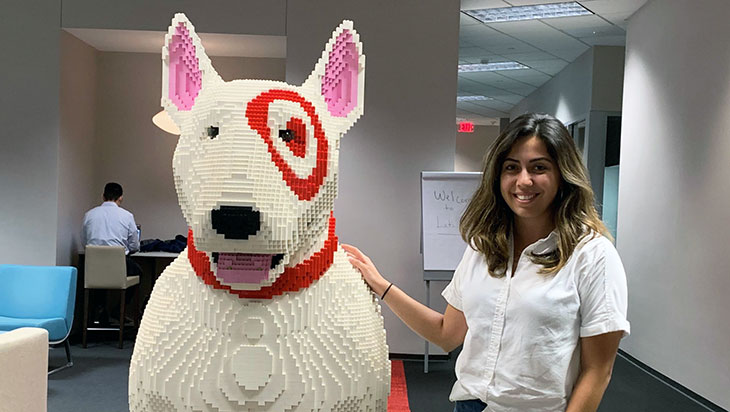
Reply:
x=257, y=113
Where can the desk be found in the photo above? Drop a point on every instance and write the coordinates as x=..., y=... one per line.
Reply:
x=155, y=255
x=152, y=264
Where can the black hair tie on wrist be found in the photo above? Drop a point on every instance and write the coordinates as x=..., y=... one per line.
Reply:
x=386, y=291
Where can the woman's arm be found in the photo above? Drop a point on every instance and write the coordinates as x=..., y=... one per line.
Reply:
x=447, y=330
x=597, y=354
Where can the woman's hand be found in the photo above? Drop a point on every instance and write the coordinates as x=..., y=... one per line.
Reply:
x=367, y=269
x=447, y=331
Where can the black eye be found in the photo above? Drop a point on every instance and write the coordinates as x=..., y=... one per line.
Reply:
x=212, y=132
x=286, y=135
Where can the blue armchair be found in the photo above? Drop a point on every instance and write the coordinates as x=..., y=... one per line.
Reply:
x=41, y=297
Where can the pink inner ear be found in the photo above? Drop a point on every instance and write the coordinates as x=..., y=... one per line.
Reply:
x=339, y=86
x=184, y=76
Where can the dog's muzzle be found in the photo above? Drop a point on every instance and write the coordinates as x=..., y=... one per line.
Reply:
x=240, y=222
x=236, y=222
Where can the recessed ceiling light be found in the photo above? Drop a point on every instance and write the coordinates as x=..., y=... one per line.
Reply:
x=471, y=98
x=532, y=12
x=491, y=67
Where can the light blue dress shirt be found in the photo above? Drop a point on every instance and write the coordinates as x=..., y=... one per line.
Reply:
x=110, y=225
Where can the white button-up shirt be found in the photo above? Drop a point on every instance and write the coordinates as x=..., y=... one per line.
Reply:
x=521, y=351
x=110, y=225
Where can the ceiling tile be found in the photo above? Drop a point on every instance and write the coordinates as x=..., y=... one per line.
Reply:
x=515, y=46
x=570, y=53
x=466, y=86
x=481, y=89
x=529, y=2
x=482, y=110
x=605, y=40
x=584, y=26
x=512, y=85
x=526, y=58
x=619, y=19
x=551, y=67
x=613, y=6
x=482, y=4
x=522, y=89
x=540, y=35
x=494, y=104
x=476, y=31
x=510, y=98
x=467, y=20
x=481, y=77
x=472, y=52
x=531, y=77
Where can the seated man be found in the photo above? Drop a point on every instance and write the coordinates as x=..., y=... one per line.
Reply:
x=110, y=225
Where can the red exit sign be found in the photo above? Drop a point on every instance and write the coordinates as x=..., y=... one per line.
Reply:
x=466, y=127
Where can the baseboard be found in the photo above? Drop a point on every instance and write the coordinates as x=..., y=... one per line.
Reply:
x=415, y=356
x=671, y=383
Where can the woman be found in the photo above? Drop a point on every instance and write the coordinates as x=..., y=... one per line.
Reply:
x=539, y=299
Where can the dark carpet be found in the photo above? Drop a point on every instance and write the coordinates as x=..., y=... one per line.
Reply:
x=98, y=383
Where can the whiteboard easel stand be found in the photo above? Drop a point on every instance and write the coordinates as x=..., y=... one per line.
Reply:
x=428, y=276
x=444, y=195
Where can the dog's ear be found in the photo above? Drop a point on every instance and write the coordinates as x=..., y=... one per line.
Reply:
x=339, y=75
x=186, y=69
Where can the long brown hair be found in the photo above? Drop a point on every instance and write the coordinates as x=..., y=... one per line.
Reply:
x=487, y=220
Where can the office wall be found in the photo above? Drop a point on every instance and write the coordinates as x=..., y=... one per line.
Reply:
x=407, y=127
x=132, y=150
x=29, y=80
x=77, y=188
x=471, y=148
x=607, y=78
x=566, y=96
x=673, y=214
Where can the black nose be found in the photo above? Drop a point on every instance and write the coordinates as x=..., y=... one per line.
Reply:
x=235, y=222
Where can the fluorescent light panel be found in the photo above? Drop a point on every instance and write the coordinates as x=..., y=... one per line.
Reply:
x=532, y=12
x=472, y=98
x=491, y=67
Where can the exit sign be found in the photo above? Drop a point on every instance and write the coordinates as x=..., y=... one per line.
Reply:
x=466, y=127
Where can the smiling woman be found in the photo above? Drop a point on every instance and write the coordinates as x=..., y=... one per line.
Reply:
x=539, y=297
x=529, y=183
x=534, y=179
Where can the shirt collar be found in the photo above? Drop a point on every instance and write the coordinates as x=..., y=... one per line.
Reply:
x=543, y=246
x=110, y=203
x=546, y=244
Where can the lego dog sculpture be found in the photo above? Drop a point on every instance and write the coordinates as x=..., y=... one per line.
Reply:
x=262, y=311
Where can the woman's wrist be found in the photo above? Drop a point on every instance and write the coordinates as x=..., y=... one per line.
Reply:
x=382, y=297
x=381, y=287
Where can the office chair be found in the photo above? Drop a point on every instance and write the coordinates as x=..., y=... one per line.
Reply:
x=40, y=297
x=106, y=268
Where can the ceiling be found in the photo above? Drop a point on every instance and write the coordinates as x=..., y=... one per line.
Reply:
x=546, y=46
x=216, y=44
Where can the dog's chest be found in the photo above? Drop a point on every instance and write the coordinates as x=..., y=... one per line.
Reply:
x=290, y=350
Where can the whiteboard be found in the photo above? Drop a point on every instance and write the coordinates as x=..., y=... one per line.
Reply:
x=444, y=196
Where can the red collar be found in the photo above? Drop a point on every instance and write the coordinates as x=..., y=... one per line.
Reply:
x=293, y=279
